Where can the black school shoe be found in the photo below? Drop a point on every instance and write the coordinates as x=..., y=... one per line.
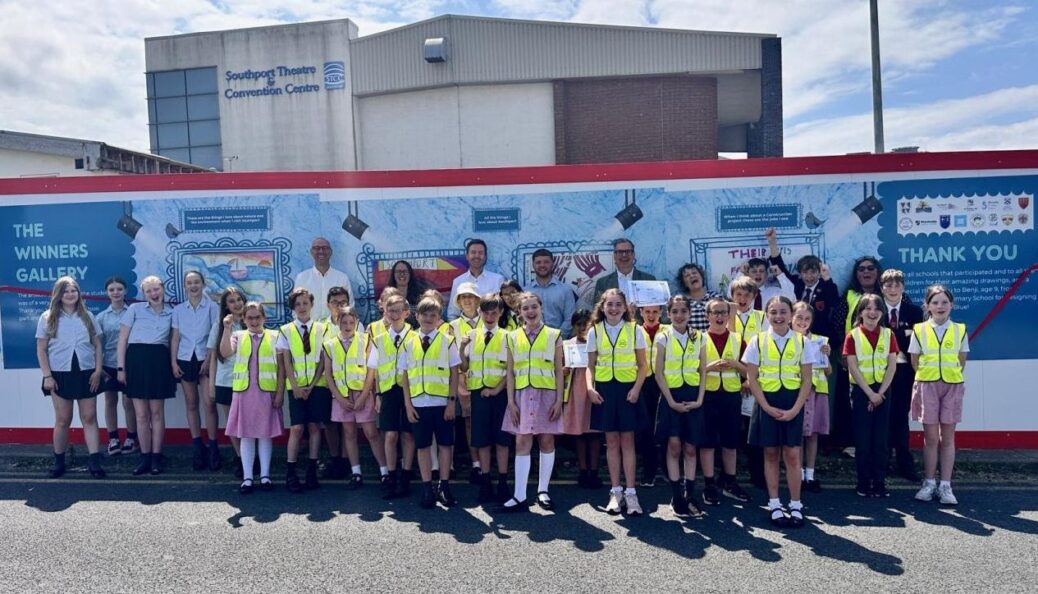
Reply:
x=678, y=499
x=711, y=495
x=389, y=485
x=158, y=464
x=486, y=489
x=812, y=486
x=311, y=482
x=731, y=489
x=475, y=476
x=444, y=495
x=863, y=490
x=879, y=490
x=504, y=491
x=198, y=461
x=403, y=484
x=778, y=516
x=356, y=482
x=215, y=460
x=145, y=466
x=292, y=482
x=428, y=500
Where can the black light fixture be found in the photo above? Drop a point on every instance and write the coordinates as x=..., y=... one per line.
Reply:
x=171, y=231
x=127, y=224
x=870, y=206
x=631, y=213
x=353, y=225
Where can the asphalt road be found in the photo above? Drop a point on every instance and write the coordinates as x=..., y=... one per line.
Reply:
x=157, y=536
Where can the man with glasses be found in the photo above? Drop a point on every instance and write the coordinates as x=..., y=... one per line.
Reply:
x=624, y=260
x=322, y=277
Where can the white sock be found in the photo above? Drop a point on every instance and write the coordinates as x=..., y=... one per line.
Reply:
x=809, y=474
x=629, y=491
x=475, y=464
x=803, y=474
x=946, y=484
x=248, y=456
x=930, y=482
x=266, y=449
x=795, y=504
x=546, y=463
x=774, y=503
x=522, y=476
x=434, y=451
x=383, y=470
x=617, y=489
x=356, y=469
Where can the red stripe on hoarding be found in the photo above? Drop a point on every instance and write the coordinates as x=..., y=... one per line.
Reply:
x=712, y=169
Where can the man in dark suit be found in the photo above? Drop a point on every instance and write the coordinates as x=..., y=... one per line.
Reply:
x=902, y=315
x=623, y=259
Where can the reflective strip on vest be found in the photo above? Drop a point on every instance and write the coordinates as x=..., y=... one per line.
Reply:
x=305, y=366
x=650, y=346
x=681, y=364
x=872, y=362
x=939, y=359
x=534, y=363
x=349, y=366
x=754, y=324
x=266, y=360
x=729, y=378
x=486, y=367
x=388, y=357
x=779, y=369
x=616, y=361
x=429, y=372
x=818, y=377
x=460, y=327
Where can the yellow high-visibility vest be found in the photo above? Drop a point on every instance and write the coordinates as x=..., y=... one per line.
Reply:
x=754, y=324
x=267, y=373
x=779, y=369
x=616, y=360
x=534, y=363
x=429, y=371
x=388, y=357
x=681, y=363
x=304, y=366
x=349, y=366
x=728, y=378
x=939, y=359
x=818, y=377
x=872, y=362
x=486, y=365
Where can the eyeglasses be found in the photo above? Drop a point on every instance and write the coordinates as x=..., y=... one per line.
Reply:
x=623, y=252
x=866, y=268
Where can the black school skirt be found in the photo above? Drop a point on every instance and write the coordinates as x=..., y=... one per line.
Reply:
x=148, y=373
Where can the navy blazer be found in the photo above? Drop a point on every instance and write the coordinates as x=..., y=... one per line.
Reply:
x=610, y=281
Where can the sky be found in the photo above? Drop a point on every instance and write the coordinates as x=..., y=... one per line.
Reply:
x=957, y=74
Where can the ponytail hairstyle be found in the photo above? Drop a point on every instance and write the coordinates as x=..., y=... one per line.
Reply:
x=225, y=311
x=54, y=309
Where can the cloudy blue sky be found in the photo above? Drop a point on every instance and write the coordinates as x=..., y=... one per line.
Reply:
x=958, y=74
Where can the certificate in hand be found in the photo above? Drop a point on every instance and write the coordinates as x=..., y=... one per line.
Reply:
x=818, y=342
x=575, y=354
x=655, y=292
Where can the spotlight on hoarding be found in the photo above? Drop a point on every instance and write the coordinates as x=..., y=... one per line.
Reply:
x=353, y=225
x=631, y=213
x=127, y=224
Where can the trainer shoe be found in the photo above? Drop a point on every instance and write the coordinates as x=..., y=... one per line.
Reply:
x=631, y=503
x=114, y=449
x=927, y=491
x=734, y=491
x=130, y=446
x=710, y=494
x=615, y=505
x=944, y=493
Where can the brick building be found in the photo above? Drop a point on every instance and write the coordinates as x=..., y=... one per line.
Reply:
x=458, y=91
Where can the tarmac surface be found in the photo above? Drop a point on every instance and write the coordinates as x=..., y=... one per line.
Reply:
x=192, y=532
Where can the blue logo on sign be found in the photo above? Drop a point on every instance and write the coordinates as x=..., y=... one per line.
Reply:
x=945, y=221
x=960, y=220
x=334, y=75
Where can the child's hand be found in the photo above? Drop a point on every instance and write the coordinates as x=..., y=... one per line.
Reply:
x=826, y=349
x=556, y=410
x=448, y=412
x=718, y=365
x=412, y=414
x=279, y=399
x=693, y=405
x=177, y=372
x=95, y=379
x=770, y=234
x=299, y=393
x=513, y=412
x=677, y=406
x=824, y=272
x=228, y=320
x=592, y=395
x=378, y=403
x=632, y=396
x=774, y=413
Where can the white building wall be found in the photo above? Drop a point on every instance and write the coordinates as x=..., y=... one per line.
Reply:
x=28, y=164
x=468, y=126
x=308, y=131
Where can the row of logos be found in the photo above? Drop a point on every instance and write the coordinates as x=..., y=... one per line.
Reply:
x=965, y=215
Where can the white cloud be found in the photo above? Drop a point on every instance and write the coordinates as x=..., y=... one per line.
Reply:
x=972, y=123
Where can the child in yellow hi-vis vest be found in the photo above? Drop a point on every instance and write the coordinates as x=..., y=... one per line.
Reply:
x=258, y=386
x=939, y=349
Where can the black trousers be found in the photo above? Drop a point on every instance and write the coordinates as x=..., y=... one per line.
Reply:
x=900, y=399
x=645, y=439
x=871, y=436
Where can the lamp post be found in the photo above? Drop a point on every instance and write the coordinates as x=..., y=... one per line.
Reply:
x=877, y=82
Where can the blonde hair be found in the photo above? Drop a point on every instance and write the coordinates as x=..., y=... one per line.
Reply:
x=151, y=280
x=54, y=309
x=744, y=283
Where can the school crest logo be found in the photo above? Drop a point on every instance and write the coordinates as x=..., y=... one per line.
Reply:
x=1023, y=201
x=945, y=221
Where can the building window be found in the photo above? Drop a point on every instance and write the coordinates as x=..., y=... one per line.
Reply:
x=184, y=116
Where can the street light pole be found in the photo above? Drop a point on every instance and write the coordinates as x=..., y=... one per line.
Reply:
x=877, y=79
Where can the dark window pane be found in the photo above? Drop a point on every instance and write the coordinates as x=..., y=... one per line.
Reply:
x=151, y=111
x=171, y=110
x=172, y=136
x=207, y=132
x=207, y=156
x=200, y=80
x=169, y=84
x=154, y=138
x=203, y=107
x=151, y=84
x=183, y=155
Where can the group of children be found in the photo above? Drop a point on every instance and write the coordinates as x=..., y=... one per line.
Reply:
x=503, y=371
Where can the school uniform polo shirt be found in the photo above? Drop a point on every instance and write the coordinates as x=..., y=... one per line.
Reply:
x=194, y=323
x=146, y=326
x=72, y=337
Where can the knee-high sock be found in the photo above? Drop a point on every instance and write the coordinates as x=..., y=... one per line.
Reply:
x=266, y=448
x=546, y=463
x=522, y=476
x=434, y=451
x=248, y=456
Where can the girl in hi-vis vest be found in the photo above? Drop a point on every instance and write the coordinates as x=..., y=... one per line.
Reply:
x=778, y=370
x=939, y=348
x=258, y=384
x=616, y=369
x=534, y=383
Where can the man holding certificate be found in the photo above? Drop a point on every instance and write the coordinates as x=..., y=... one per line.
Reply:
x=625, y=273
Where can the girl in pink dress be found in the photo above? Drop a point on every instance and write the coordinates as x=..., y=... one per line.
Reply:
x=258, y=385
x=534, y=386
x=576, y=415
